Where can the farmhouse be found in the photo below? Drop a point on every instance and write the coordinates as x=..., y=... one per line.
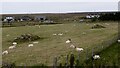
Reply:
x=92, y=16
x=8, y=19
x=40, y=18
x=25, y=18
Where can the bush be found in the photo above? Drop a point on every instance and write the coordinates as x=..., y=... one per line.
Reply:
x=97, y=26
x=26, y=37
x=8, y=65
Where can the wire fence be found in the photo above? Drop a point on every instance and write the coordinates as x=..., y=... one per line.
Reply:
x=72, y=61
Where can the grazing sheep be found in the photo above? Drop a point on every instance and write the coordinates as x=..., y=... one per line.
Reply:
x=4, y=52
x=35, y=42
x=79, y=49
x=68, y=41
x=72, y=46
x=12, y=47
x=30, y=45
x=54, y=34
x=14, y=43
x=118, y=41
x=96, y=57
x=60, y=34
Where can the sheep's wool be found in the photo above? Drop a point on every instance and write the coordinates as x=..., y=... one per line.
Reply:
x=11, y=47
x=14, y=43
x=35, y=42
x=79, y=49
x=54, y=34
x=119, y=41
x=60, y=34
x=4, y=52
x=96, y=57
x=30, y=45
x=72, y=46
x=68, y=41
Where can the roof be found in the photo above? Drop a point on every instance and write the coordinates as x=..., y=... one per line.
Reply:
x=40, y=16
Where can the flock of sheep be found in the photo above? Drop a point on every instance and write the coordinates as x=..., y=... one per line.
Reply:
x=69, y=41
x=81, y=49
x=14, y=46
x=73, y=46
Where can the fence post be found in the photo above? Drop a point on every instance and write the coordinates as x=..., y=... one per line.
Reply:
x=55, y=62
x=66, y=64
x=92, y=52
x=78, y=57
x=92, y=57
x=86, y=54
x=72, y=58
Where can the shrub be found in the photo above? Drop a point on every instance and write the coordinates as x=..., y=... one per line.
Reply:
x=8, y=65
x=98, y=26
x=26, y=37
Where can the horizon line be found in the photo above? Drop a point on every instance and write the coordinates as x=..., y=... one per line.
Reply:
x=58, y=12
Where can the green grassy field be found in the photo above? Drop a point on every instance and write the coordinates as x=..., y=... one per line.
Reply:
x=108, y=56
x=52, y=46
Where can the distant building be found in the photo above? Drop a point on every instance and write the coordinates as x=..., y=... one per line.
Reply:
x=25, y=18
x=92, y=16
x=40, y=18
x=8, y=19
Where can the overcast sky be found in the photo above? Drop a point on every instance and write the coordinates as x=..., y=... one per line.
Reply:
x=56, y=6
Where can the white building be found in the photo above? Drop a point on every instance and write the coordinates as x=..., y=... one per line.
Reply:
x=9, y=18
x=92, y=16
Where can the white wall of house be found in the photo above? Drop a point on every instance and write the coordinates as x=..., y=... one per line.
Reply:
x=92, y=16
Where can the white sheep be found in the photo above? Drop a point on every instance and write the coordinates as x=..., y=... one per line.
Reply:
x=30, y=45
x=72, y=46
x=83, y=33
x=60, y=34
x=4, y=52
x=12, y=47
x=14, y=43
x=79, y=49
x=68, y=41
x=35, y=42
x=54, y=34
x=96, y=57
x=118, y=41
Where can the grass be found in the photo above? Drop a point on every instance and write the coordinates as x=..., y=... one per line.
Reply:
x=52, y=46
x=108, y=56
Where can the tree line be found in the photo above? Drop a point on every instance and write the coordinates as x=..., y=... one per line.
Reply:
x=110, y=17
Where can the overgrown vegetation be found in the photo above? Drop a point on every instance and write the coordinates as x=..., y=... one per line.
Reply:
x=47, y=49
x=26, y=38
x=97, y=26
x=110, y=17
x=109, y=57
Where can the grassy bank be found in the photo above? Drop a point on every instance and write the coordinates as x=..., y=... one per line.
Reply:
x=51, y=45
